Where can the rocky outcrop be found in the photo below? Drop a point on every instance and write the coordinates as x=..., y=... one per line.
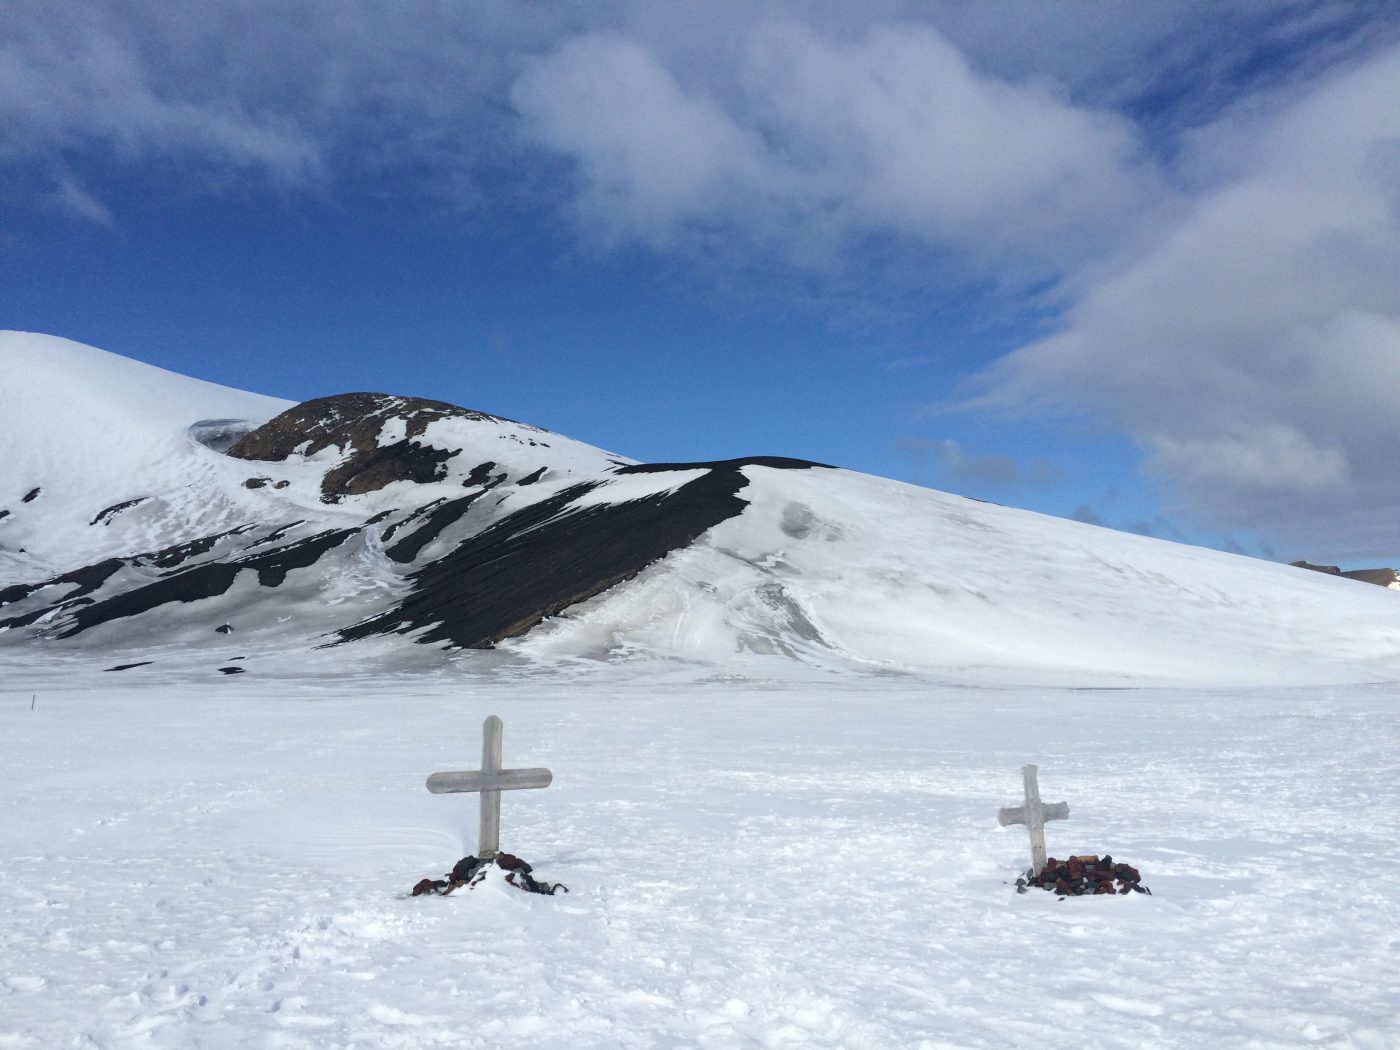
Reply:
x=355, y=424
x=1379, y=577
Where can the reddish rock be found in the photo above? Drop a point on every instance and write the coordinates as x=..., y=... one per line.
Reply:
x=1084, y=875
x=510, y=862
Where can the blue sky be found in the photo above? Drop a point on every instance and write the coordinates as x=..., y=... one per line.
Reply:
x=1135, y=264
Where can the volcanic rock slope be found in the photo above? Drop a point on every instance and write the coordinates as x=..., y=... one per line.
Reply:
x=140, y=509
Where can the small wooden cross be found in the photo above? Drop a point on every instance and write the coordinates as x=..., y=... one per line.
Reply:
x=1034, y=814
x=490, y=780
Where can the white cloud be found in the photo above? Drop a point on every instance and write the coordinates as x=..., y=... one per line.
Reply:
x=1254, y=350
x=652, y=157
x=805, y=143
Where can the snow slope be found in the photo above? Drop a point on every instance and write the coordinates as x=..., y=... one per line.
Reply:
x=834, y=565
x=90, y=429
x=144, y=531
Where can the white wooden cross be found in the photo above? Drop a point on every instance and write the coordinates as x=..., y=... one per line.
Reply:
x=490, y=780
x=1034, y=814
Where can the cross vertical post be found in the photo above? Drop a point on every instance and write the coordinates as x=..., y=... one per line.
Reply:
x=1036, y=827
x=489, y=838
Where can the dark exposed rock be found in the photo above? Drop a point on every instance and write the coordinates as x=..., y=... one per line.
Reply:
x=86, y=580
x=353, y=423
x=545, y=557
x=31, y=495
x=438, y=519
x=232, y=670
x=1331, y=570
x=4, y=514
x=179, y=553
x=127, y=667
x=256, y=483
x=276, y=534
x=104, y=517
x=421, y=512
x=371, y=470
x=208, y=580
x=1379, y=577
x=224, y=628
x=481, y=475
x=530, y=479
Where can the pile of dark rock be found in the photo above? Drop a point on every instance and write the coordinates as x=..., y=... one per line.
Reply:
x=1083, y=876
x=471, y=871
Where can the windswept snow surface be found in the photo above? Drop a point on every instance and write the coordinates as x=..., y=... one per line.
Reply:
x=795, y=860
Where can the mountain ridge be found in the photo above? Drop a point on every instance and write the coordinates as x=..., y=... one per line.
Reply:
x=404, y=518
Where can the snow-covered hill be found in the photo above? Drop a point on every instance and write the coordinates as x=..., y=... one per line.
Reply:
x=142, y=508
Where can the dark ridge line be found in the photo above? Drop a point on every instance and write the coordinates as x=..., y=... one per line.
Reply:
x=777, y=462
x=104, y=517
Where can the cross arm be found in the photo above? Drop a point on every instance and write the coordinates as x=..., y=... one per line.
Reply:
x=498, y=780
x=1048, y=811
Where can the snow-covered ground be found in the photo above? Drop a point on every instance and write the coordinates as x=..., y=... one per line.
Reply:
x=783, y=857
x=778, y=756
